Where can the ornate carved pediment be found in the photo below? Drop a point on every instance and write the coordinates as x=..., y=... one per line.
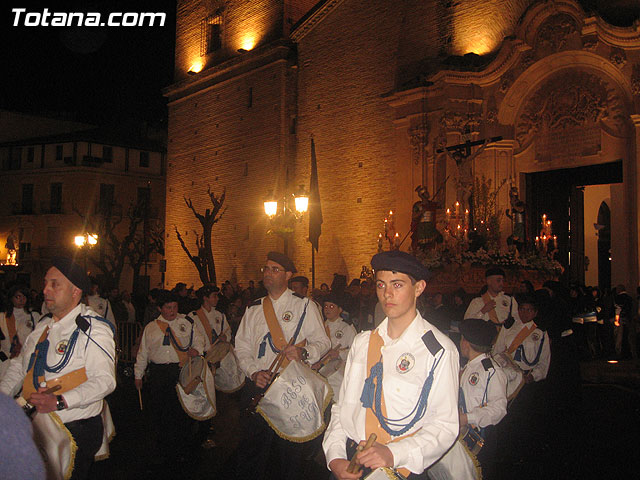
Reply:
x=556, y=32
x=565, y=115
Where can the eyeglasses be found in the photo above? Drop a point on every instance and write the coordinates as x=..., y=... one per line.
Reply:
x=267, y=268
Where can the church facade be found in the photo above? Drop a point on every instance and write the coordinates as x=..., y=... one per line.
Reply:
x=527, y=100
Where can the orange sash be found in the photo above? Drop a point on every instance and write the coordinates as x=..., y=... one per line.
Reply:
x=67, y=382
x=521, y=337
x=202, y=316
x=486, y=298
x=182, y=356
x=371, y=421
x=274, y=328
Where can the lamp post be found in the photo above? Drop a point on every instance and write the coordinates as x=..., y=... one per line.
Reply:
x=285, y=212
x=85, y=242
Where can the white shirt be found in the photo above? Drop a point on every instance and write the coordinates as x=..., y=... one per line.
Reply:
x=152, y=348
x=131, y=311
x=102, y=307
x=25, y=323
x=531, y=346
x=503, y=302
x=473, y=382
x=288, y=307
x=436, y=431
x=341, y=335
x=94, y=350
x=217, y=321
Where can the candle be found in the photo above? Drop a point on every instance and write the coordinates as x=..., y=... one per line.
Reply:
x=537, y=242
x=555, y=242
x=397, y=240
x=457, y=208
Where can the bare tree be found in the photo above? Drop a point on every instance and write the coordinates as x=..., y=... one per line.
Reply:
x=204, y=261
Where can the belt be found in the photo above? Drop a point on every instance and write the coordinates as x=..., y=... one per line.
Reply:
x=83, y=421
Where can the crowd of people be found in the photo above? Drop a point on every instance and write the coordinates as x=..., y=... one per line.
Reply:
x=519, y=354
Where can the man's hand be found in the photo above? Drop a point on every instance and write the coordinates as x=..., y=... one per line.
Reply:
x=192, y=352
x=377, y=456
x=339, y=468
x=44, y=402
x=490, y=305
x=138, y=382
x=293, y=353
x=261, y=378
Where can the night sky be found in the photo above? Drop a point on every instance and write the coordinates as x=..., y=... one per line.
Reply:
x=97, y=74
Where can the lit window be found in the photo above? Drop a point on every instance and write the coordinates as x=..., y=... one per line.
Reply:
x=211, y=34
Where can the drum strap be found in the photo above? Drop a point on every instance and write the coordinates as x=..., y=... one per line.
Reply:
x=486, y=298
x=38, y=366
x=521, y=337
x=210, y=331
x=173, y=341
x=376, y=420
x=275, y=336
x=520, y=356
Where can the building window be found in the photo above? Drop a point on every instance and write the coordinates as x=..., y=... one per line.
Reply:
x=27, y=198
x=59, y=152
x=107, y=154
x=16, y=158
x=106, y=198
x=56, y=198
x=144, y=159
x=211, y=34
x=30, y=154
x=53, y=236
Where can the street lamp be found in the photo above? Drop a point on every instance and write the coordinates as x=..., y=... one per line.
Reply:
x=285, y=212
x=85, y=242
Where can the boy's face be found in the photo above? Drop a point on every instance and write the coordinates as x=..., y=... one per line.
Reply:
x=396, y=294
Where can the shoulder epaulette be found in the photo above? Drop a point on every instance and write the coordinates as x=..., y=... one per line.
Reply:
x=487, y=364
x=432, y=344
x=256, y=303
x=84, y=324
x=47, y=315
x=295, y=294
x=189, y=318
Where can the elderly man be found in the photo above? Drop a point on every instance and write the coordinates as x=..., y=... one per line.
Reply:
x=405, y=370
x=72, y=347
x=267, y=328
x=494, y=305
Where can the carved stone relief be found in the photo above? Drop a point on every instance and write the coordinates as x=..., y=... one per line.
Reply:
x=460, y=122
x=418, y=137
x=618, y=57
x=555, y=32
x=635, y=80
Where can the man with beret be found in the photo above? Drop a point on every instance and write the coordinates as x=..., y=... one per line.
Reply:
x=494, y=305
x=266, y=329
x=482, y=404
x=167, y=344
x=72, y=347
x=405, y=370
x=341, y=334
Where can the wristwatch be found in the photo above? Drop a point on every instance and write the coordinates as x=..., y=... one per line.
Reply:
x=60, y=402
x=304, y=354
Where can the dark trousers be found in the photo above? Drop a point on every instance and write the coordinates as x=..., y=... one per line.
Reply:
x=259, y=444
x=87, y=433
x=169, y=421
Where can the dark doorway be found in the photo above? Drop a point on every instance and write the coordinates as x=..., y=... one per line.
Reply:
x=604, y=246
x=557, y=194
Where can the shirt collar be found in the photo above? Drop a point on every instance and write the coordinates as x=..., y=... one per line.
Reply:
x=414, y=331
x=69, y=318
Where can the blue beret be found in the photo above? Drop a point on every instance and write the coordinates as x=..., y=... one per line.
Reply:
x=494, y=271
x=74, y=272
x=282, y=259
x=478, y=332
x=397, y=261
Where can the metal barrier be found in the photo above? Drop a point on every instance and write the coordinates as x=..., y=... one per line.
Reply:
x=128, y=335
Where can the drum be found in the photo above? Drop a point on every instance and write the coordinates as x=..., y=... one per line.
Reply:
x=55, y=443
x=196, y=389
x=218, y=351
x=295, y=402
x=385, y=473
x=471, y=439
x=333, y=371
x=228, y=377
x=109, y=432
x=515, y=376
x=458, y=463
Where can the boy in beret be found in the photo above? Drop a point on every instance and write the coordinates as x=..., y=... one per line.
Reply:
x=494, y=305
x=482, y=404
x=405, y=370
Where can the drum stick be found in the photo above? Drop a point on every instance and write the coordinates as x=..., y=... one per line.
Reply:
x=354, y=466
x=52, y=389
x=140, y=398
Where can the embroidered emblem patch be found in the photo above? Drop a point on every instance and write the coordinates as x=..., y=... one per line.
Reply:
x=473, y=379
x=505, y=303
x=287, y=316
x=29, y=324
x=183, y=328
x=61, y=347
x=405, y=363
x=339, y=334
x=535, y=336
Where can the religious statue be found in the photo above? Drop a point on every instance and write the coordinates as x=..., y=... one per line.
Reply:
x=424, y=234
x=517, y=216
x=464, y=162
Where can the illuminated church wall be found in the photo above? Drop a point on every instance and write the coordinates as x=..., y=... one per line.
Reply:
x=368, y=80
